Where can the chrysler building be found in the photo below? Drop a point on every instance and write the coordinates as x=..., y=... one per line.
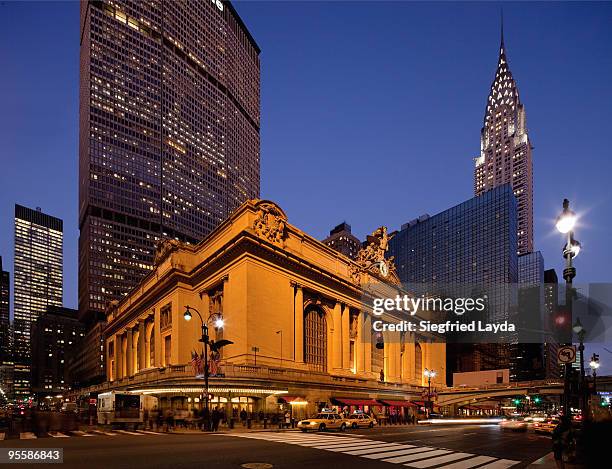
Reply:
x=505, y=148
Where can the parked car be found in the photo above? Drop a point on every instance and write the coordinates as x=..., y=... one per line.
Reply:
x=515, y=424
x=324, y=421
x=361, y=420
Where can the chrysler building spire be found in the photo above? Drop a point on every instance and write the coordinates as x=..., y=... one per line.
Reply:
x=505, y=148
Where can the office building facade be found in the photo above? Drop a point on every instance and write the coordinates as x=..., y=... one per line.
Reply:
x=551, y=301
x=472, y=244
x=528, y=355
x=5, y=313
x=38, y=282
x=6, y=337
x=55, y=337
x=169, y=134
x=342, y=240
x=505, y=149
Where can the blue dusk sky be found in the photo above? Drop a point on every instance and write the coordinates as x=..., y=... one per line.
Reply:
x=371, y=114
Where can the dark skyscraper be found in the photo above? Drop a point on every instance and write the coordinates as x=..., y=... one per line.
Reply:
x=169, y=133
x=342, y=240
x=473, y=244
x=55, y=336
x=505, y=148
x=5, y=311
x=38, y=279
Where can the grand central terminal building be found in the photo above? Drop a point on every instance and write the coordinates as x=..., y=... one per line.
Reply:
x=296, y=314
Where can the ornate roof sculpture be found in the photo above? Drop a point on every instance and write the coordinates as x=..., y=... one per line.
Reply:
x=271, y=222
x=164, y=247
x=371, y=258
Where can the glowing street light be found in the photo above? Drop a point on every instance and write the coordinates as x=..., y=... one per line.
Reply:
x=567, y=219
x=429, y=374
x=205, y=339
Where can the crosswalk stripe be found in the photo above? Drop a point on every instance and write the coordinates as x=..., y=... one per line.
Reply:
x=500, y=464
x=347, y=445
x=345, y=448
x=306, y=438
x=128, y=433
x=149, y=432
x=468, y=463
x=387, y=447
x=81, y=433
x=439, y=460
x=417, y=456
x=326, y=442
x=389, y=453
x=58, y=435
x=27, y=436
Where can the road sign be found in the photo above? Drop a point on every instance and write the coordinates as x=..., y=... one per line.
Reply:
x=566, y=354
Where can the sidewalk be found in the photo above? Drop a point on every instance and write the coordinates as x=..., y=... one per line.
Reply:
x=548, y=462
x=224, y=429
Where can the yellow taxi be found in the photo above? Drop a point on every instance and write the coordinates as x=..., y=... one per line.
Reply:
x=324, y=421
x=360, y=420
x=546, y=427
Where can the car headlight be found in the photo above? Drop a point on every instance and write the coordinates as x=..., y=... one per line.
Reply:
x=312, y=423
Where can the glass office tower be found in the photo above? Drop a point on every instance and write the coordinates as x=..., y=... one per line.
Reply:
x=471, y=244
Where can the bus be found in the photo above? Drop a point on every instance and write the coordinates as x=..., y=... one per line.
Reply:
x=121, y=407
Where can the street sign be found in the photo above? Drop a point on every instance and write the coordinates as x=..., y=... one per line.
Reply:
x=566, y=354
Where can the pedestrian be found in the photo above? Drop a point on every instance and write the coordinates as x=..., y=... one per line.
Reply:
x=287, y=419
x=243, y=417
x=169, y=419
x=216, y=416
x=261, y=415
x=206, y=424
x=562, y=440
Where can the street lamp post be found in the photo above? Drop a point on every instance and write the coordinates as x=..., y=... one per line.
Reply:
x=581, y=332
x=430, y=374
x=281, y=347
x=594, y=364
x=205, y=339
x=565, y=224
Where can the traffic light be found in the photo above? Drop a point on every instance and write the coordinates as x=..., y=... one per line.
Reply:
x=516, y=401
x=562, y=325
x=537, y=399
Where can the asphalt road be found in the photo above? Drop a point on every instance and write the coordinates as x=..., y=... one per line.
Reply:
x=458, y=447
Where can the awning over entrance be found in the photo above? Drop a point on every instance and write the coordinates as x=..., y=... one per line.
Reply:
x=290, y=399
x=418, y=403
x=396, y=403
x=349, y=401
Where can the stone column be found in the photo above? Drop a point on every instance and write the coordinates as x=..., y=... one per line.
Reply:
x=367, y=342
x=337, y=337
x=141, y=345
x=298, y=317
x=360, y=343
x=117, y=352
x=346, y=337
x=158, y=344
x=123, y=355
x=130, y=355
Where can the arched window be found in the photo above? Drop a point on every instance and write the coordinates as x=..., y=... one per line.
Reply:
x=418, y=362
x=315, y=339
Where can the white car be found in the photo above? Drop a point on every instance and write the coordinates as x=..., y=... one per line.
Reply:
x=515, y=424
